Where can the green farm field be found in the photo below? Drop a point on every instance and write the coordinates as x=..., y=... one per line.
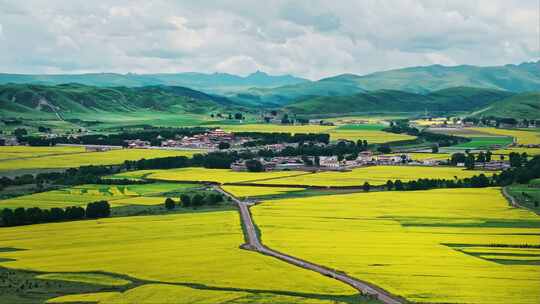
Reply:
x=116, y=195
x=61, y=159
x=484, y=142
x=427, y=246
x=375, y=175
x=195, y=257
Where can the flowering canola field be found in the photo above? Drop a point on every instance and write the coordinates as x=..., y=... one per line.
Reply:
x=89, y=158
x=371, y=135
x=375, y=175
x=221, y=176
x=250, y=191
x=197, y=248
x=15, y=152
x=427, y=246
x=116, y=195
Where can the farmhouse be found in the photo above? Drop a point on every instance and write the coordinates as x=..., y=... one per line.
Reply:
x=137, y=143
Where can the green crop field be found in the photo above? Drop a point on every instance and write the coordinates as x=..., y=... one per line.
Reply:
x=87, y=158
x=375, y=175
x=116, y=195
x=522, y=136
x=427, y=246
x=181, y=256
x=484, y=142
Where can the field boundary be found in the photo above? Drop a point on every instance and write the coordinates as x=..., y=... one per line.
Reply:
x=514, y=202
x=253, y=242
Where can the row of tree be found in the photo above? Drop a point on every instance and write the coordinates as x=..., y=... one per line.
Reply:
x=35, y=215
x=261, y=138
x=153, y=135
x=194, y=201
x=523, y=174
x=442, y=140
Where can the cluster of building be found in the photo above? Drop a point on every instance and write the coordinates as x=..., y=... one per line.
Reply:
x=209, y=140
x=331, y=163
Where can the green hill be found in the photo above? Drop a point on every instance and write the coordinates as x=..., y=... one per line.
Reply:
x=459, y=99
x=20, y=100
x=216, y=82
x=515, y=78
x=525, y=105
x=285, y=94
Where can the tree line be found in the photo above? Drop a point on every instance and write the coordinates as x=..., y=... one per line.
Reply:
x=518, y=174
x=194, y=201
x=35, y=215
x=153, y=135
x=442, y=140
x=261, y=138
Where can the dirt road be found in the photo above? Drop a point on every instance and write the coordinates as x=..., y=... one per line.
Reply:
x=253, y=243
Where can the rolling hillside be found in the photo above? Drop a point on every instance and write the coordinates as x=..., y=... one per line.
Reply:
x=19, y=100
x=513, y=78
x=525, y=105
x=216, y=82
x=459, y=99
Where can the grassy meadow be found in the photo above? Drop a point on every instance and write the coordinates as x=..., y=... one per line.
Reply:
x=524, y=137
x=116, y=195
x=428, y=246
x=376, y=175
x=484, y=142
x=179, y=256
x=69, y=160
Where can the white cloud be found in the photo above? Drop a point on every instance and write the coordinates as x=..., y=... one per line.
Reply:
x=307, y=38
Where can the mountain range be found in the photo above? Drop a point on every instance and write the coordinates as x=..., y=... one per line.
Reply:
x=212, y=83
x=502, y=90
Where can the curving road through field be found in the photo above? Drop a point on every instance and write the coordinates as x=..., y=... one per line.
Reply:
x=253, y=243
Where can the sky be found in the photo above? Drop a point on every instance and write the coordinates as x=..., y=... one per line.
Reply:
x=311, y=39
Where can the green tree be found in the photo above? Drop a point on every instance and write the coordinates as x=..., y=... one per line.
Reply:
x=169, y=203
x=197, y=200
x=366, y=187
x=254, y=165
x=389, y=185
x=186, y=200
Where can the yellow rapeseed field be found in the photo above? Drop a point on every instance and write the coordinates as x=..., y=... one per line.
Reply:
x=372, y=136
x=171, y=294
x=221, y=176
x=521, y=136
x=116, y=195
x=18, y=152
x=195, y=248
x=250, y=191
x=375, y=175
x=411, y=243
x=89, y=158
